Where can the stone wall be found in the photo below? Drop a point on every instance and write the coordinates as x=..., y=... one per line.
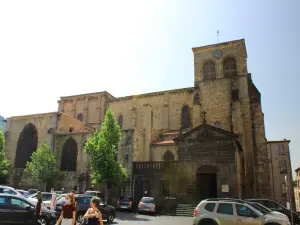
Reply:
x=158, y=151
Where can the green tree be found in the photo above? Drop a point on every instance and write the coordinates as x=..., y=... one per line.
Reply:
x=4, y=164
x=102, y=151
x=43, y=168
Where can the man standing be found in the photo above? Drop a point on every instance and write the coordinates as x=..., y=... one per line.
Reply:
x=53, y=200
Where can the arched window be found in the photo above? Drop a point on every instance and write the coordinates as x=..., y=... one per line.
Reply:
x=185, y=120
x=168, y=156
x=209, y=70
x=196, y=99
x=229, y=67
x=120, y=121
x=27, y=144
x=69, y=155
x=71, y=129
x=80, y=116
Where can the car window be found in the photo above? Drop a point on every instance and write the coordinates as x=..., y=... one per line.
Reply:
x=84, y=201
x=272, y=205
x=19, y=202
x=125, y=198
x=62, y=200
x=46, y=197
x=244, y=211
x=225, y=208
x=260, y=208
x=147, y=200
x=8, y=191
x=3, y=200
x=210, y=207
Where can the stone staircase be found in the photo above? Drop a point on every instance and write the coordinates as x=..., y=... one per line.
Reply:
x=183, y=210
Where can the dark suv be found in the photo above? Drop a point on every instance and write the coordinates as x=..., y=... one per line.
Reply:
x=275, y=206
x=17, y=210
x=83, y=203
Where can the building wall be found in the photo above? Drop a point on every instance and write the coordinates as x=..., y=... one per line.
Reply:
x=15, y=125
x=157, y=152
x=297, y=190
x=278, y=151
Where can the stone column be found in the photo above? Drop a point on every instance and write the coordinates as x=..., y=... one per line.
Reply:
x=147, y=127
x=74, y=108
x=165, y=121
x=85, y=109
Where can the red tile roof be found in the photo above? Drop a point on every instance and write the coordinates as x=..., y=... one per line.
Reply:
x=168, y=142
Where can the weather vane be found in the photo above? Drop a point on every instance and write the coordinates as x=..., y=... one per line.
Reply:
x=218, y=35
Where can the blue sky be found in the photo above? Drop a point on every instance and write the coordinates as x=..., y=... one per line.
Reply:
x=54, y=48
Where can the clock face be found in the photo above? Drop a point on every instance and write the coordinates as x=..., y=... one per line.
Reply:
x=218, y=54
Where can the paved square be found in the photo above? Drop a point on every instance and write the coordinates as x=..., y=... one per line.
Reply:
x=137, y=219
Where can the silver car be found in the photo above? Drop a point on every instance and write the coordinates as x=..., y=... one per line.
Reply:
x=147, y=204
x=234, y=213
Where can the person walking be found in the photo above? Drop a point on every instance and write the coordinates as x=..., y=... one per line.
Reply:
x=39, y=207
x=93, y=215
x=53, y=199
x=68, y=214
x=75, y=198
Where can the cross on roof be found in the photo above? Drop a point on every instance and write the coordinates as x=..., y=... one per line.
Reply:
x=204, y=119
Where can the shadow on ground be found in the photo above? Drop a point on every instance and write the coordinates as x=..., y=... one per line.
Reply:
x=132, y=216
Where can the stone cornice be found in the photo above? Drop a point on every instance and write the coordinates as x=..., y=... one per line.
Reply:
x=153, y=94
x=197, y=49
x=32, y=115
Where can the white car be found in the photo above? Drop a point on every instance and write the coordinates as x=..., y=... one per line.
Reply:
x=9, y=190
x=46, y=196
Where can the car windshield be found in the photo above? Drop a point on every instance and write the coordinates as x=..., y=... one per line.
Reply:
x=147, y=200
x=260, y=208
x=125, y=198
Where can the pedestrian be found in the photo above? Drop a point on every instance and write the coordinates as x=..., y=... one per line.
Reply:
x=93, y=215
x=53, y=199
x=75, y=198
x=39, y=207
x=68, y=215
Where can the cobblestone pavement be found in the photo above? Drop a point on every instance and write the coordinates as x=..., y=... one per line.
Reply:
x=137, y=219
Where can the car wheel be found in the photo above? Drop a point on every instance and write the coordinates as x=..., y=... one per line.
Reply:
x=110, y=218
x=79, y=218
x=42, y=221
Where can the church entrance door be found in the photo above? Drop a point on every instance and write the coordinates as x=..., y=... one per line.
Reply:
x=206, y=183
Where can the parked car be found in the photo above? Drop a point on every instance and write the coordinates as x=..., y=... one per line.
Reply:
x=126, y=202
x=148, y=204
x=234, y=212
x=17, y=210
x=275, y=206
x=46, y=196
x=83, y=203
x=26, y=194
x=9, y=190
x=95, y=193
x=32, y=191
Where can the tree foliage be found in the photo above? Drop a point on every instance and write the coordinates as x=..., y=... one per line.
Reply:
x=4, y=164
x=102, y=150
x=43, y=168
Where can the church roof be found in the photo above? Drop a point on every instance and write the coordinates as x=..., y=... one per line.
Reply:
x=203, y=129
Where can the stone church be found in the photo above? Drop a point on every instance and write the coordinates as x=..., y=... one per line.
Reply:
x=191, y=143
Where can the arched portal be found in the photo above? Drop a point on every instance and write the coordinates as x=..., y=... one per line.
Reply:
x=69, y=155
x=27, y=144
x=206, y=182
x=168, y=156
